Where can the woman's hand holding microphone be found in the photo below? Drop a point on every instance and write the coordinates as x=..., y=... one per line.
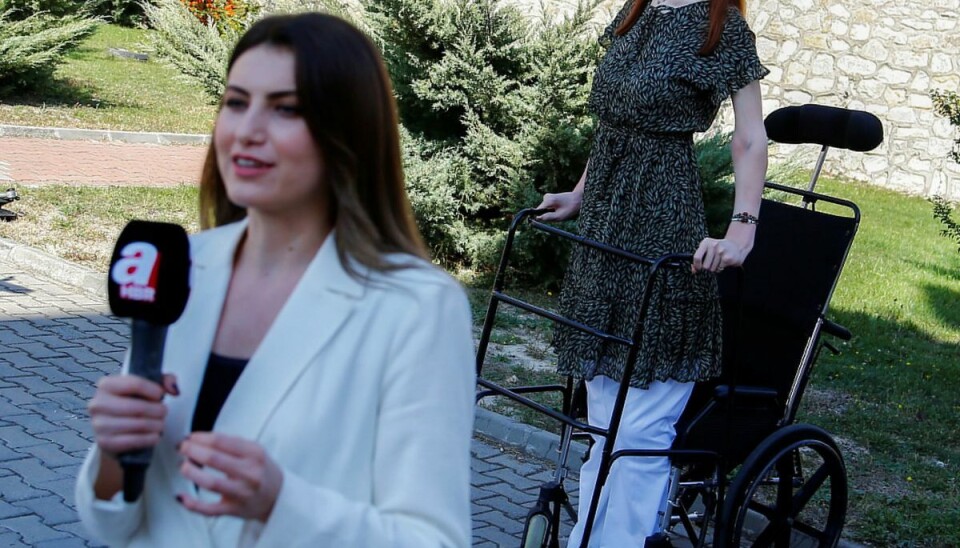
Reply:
x=127, y=413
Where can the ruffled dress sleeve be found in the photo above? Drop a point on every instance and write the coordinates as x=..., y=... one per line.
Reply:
x=737, y=57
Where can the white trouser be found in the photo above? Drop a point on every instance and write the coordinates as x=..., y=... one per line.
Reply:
x=636, y=486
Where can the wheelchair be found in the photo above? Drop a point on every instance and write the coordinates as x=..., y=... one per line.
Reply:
x=743, y=471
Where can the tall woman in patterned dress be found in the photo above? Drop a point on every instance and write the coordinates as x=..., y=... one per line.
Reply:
x=668, y=67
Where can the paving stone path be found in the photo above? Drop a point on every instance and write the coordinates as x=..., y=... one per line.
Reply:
x=36, y=161
x=55, y=342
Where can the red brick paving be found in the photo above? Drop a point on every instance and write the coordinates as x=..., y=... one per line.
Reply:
x=35, y=161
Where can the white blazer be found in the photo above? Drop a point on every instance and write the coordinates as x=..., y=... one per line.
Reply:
x=362, y=392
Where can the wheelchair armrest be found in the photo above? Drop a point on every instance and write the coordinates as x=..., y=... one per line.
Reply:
x=837, y=330
x=722, y=392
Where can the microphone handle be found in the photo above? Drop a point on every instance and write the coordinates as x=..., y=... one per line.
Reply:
x=146, y=360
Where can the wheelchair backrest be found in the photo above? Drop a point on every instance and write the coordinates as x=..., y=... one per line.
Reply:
x=771, y=314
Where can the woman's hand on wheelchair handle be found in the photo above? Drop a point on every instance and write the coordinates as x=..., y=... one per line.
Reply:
x=565, y=205
x=714, y=255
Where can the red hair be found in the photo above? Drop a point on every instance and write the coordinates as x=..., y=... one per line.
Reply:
x=718, y=16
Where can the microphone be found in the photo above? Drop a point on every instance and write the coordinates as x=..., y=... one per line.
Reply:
x=149, y=283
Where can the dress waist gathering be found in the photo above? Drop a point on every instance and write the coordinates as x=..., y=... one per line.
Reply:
x=627, y=133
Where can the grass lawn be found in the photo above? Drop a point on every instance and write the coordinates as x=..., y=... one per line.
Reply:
x=895, y=387
x=81, y=224
x=890, y=398
x=94, y=89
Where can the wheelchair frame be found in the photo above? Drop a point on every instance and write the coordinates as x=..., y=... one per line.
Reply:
x=775, y=461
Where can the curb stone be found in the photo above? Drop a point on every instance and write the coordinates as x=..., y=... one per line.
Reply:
x=133, y=137
x=527, y=439
x=49, y=266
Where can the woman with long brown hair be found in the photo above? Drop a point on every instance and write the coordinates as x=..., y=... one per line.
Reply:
x=669, y=66
x=319, y=385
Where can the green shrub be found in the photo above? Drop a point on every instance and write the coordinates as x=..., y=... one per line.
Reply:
x=716, y=170
x=494, y=109
x=197, y=40
x=495, y=106
x=941, y=211
x=30, y=48
x=128, y=13
x=947, y=103
x=17, y=10
x=198, y=51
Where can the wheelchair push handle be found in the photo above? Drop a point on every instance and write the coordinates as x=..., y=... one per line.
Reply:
x=525, y=214
x=837, y=330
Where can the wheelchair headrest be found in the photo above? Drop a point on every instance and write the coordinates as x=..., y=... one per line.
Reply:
x=827, y=126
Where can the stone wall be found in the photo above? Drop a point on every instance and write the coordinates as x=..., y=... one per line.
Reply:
x=881, y=56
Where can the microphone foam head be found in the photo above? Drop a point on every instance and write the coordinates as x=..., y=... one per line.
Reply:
x=150, y=272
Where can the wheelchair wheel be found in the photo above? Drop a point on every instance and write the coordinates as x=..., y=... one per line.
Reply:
x=791, y=490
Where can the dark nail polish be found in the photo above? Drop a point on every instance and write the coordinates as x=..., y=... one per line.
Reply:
x=176, y=389
x=179, y=498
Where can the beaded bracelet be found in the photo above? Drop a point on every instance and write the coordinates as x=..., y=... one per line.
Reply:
x=746, y=218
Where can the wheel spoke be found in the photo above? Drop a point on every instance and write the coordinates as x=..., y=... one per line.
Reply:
x=808, y=489
x=784, y=507
x=764, y=510
x=810, y=531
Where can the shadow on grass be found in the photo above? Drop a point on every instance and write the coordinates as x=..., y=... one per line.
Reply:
x=49, y=90
x=893, y=396
x=905, y=380
x=945, y=272
x=945, y=303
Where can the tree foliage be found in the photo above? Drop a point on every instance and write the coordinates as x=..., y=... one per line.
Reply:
x=197, y=40
x=32, y=44
x=941, y=211
x=493, y=103
x=947, y=103
x=198, y=51
x=493, y=107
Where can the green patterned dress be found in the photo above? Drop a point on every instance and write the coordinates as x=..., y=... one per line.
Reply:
x=651, y=92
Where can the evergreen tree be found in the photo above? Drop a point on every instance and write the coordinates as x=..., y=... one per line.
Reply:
x=32, y=44
x=494, y=109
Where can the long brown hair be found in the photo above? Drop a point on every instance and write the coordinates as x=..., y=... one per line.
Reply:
x=718, y=16
x=345, y=97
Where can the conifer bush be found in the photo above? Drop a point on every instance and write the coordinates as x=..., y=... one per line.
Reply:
x=17, y=10
x=493, y=108
x=128, y=13
x=493, y=104
x=196, y=36
x=199, y=51
x=32, y=45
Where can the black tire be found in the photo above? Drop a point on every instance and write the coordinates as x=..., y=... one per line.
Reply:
x=536, y=530
x=768, y=505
